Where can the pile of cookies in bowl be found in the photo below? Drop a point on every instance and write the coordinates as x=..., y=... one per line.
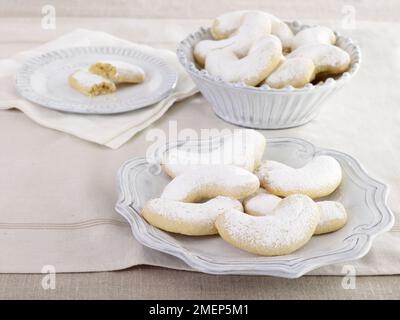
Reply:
x=257, y=48
x=261, y=206
x=276, y=74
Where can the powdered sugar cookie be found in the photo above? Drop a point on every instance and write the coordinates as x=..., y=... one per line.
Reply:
x=253, y=26
x=326, y=58
x=195, y=219
x=318, y=178
x=118, y=71
x=296, y=72
x=90, y=84
x=333, y=214
x=289, y=228
x=263, y=57
x=333, y=217
x=228, y=23
x=243, y=148
x=305, y=63
x=313, y=35
x=210, y=181
x=261, y=203
x=282, y=31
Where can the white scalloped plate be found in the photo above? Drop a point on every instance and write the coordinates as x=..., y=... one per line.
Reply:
x=363, y=197
x=44, y=80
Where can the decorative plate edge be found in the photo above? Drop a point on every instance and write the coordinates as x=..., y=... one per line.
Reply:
x=23, y=87
x=363, y=241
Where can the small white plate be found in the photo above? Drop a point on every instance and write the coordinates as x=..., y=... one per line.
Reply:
x=44, y=80
x=363, y=197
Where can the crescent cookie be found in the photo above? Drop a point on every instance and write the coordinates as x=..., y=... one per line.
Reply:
x=333, y=217
x=227, y=23
x=243, y=148
x=261, y=203
x=118, y=71
x=326, y=57
x=210, y=181
x=333, y=214
x=263, y=57
x=313, y=35
x=253, y=26
x=295, y=72
x=318, y=178
x=90, y=84
x=289, y=228
x=305, y=63
x=195, y=219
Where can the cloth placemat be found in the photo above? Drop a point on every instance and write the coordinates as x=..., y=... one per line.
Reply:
x=109, y=130
x=57, y=193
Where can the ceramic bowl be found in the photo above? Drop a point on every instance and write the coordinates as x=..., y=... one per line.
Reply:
x=265, y=107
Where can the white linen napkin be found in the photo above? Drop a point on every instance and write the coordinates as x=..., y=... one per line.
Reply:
x=109, y=130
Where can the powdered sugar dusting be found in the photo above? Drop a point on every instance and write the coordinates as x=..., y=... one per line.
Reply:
x=295, y=71
x=200, y=214
x=244, y=148
x=88, y=79
x=325, y=57
x=262, y=59
x=125, y=69
x=294, y=218
x=331, y=211
x=264, y=204
x=227, y=23
x=320, y=173
x=254, y=26
x=261, y=203
x=313, y=35
x=210, y=181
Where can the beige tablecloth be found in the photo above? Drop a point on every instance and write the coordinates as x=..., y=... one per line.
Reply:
x=57, y=192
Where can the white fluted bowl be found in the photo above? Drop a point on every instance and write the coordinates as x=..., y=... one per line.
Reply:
x=264, y=107
x=140, y=179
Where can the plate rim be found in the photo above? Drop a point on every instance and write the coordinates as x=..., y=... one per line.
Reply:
x=360, y=242
x=25, y=89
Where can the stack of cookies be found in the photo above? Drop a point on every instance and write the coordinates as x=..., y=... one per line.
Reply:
x=257, y=48
x=263, y=207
